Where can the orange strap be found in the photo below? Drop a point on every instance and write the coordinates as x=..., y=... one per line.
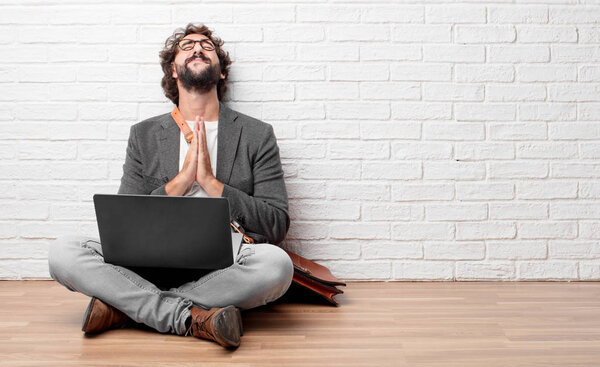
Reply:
x=183, y=125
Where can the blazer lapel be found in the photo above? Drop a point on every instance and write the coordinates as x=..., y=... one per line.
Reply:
x=228, y=137
x=168, y=141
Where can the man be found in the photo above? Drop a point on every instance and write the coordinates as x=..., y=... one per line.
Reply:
x=230, y=155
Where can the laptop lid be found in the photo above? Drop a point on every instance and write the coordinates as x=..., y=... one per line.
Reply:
x=165, y=231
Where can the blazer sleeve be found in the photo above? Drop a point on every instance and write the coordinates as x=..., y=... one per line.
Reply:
x=133, y=180
x=266, y=211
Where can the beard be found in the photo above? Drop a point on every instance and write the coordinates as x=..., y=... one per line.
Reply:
x=201, y=81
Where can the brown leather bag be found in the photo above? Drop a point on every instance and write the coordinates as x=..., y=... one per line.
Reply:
x=308, y=274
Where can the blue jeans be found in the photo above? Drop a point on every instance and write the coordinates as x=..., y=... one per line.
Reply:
x=260, y=274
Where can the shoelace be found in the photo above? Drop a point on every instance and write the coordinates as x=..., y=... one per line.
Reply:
x=201, y=326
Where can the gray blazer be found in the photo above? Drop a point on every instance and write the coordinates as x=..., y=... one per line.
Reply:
x=248, y=164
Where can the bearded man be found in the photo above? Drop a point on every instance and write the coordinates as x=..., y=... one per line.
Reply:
x=227, y=154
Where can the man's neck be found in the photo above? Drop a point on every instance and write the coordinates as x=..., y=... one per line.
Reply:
x=205, y=105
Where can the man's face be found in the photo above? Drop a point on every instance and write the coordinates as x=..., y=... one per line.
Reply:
x=197, y=69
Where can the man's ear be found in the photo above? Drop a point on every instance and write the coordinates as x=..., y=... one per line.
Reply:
x=173, y=72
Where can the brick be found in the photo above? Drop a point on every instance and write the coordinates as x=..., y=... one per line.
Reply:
x=518, y=210
x=546, y=190
x=453, y=53
x=573, y=250
x=589, y=73
x=307, y=231
x=550, y=230
x=589, y=34
x=484, y=112
x=546, y=73
x=108, y=111
x=420, y=192
x=517, y=14
x=574, y=93
x=485, y=270
x=327, y=91
x=474, y=73
x=516, y=250
x=358, y=150
x=309, y=210
x=37, y=229
x=421, y=111
x=547, y=270
x=395, y=14
x=516, y=92
x=305, y=190
x=452, y=92
x=456, y=212
x=390, y=130
x=421, y=33
x=252, y=92
x=360, y=230
x=386, y=212
x=574, y=170
x=48, y=150
x=547, y=112
x=422, y=231
x=573, y=53
x=374, y=251
x=301, y=150
x=382, y=51
x=293, y=111
x=77, y=130
x=476, y=191
x=455, y=14
x=358, y=111
x=103, y=150
x=452, y=170
x=485, y=34
x=569, y=14
x=589, y=229
x=389, y=91
x=78, y=170
x=484, y=151
x=23, y=210
x=518, y=54
x=8, y=230
x=421, y=151
x=423, y=270
x=359, y=32
x=327, y=13
x=72, y=211
x=420, y=72
x=359, y=269
x=517, y=169
x=485, y=230
x=276, y=33
x=217, y=14
x=589, y=111
x=454, y=251
x=357, y=191
x=553, y=150
x=377, y=170
x=574, y=210
x=358, y=71
x=320, y=53
x=574, y=131
x=539, y=34
x=589, y=190
x=589, y=270
x=330, y=170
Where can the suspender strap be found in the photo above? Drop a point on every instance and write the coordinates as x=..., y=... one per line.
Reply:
x=183, y=125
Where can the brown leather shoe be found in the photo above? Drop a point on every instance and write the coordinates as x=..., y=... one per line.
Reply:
x=222, y=325
x=100, y=316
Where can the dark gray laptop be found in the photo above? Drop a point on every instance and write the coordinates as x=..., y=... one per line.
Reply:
x=172, y=232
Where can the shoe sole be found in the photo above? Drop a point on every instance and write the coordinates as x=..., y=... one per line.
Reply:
x=86, y=315
x=229, y=327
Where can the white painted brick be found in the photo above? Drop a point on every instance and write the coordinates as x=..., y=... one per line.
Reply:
x=569, y=15
x=484, y=34
x=517, y=131
x=550, y=230
x=386, y=212
x=455, y=14
x=23, y=210
x=359, y=269
x=484, y=270
x=390, y=90
x=453, y=53
x=89, y=130
x=589, y=270
x=419, y=192
x=358, y=32
x=305, y=190
x=454, y=251
x=573, y=53
x=278, y=33
x=16, y=249
x=70, y=211
x=588, y=34
x=589, y=111
x=359, y=230
x=574, y=93
x=517, y=54
x=327, y=13
x=357, y=191
x=574, y=170
x=50, y=111
x=518, y=210
x=589, y=190
x=105, y=73
x=516, y=250
x=327, y=91
x=589, y=229
x=330, y=170
x=421, y=33
x=452, y=170
x=422, y=231
x=307, y=231
x=293, y=111
x=473, y=73
x=575, y=210
x=108, y=111
x=485, y=230
x=421, y=111
x=45, y=191
x=349, y=130
x=47, y=150
x=423, y=270
x=320, y=53
x=538, y=34
x=220, y=13
x=573, y=250
x=456, y=212
x=8, y=150
x=301, y=150
x=574, y=131
x=546, y=73
x=8, y=230
x=401, y=250
x=103, y=150
x=452, y=92
x=24, y=92
x=390, y=130
x=546, y=190
x=421, y=72
x=382, y=51
x=318, y=250
x=547, y=112
x=31, y=229
x=356, y=110
x=302, y=73
x=515, y=92
x=452, y=130
x=552, y=150
x=263, y=92
x=519, y=14
x=396, y=14
x=517, y=169
x=377, y=170
x=589, y=73
x=358, y=71
x=283, y=130
x=358, y=150
x=484, y=151
x=478, y=191
x=310, y=210
x=9, y=190
x=421, y=151
x=484, y=112
x=547, y=270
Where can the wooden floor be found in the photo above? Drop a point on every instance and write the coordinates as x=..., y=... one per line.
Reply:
x=378, y=324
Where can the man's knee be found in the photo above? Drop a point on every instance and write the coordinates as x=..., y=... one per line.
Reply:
x=62, y=256
x=276, y=265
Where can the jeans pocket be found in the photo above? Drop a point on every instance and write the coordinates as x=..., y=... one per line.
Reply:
x=246, y=251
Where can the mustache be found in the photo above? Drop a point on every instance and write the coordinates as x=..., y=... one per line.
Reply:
x=205, y=59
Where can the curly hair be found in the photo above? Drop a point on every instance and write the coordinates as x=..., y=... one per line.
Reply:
x=167, y=55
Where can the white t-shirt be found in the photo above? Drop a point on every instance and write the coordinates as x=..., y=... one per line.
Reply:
x=211, y=145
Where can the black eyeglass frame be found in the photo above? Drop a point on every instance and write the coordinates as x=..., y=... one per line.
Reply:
x=202, y=42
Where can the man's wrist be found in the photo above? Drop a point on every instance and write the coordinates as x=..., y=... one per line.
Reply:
x=212, y=186
x=178, y=186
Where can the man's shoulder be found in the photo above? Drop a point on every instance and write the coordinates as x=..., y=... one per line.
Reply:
x=251, y=123
x=151, y=123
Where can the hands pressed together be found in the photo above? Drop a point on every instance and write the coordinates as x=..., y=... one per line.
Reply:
x=196, y=166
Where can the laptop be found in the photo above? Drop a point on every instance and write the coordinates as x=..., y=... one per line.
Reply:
x=169, y=232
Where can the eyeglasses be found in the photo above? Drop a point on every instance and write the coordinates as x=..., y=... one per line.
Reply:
x=187, y=44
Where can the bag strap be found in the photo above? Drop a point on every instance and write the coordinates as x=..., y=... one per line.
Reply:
x=183, y=125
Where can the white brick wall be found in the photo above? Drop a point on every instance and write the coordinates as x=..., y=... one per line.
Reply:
x=420, y=140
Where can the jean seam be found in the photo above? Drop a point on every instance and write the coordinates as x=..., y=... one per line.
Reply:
x=95, y=254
